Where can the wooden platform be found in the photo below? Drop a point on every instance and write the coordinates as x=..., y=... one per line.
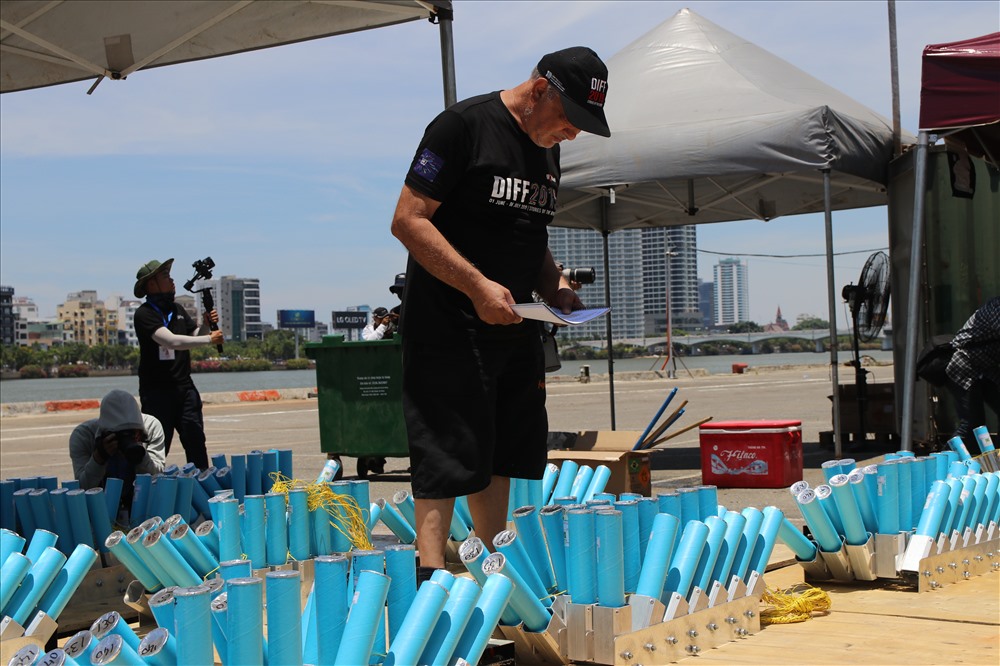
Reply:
x=879, y=623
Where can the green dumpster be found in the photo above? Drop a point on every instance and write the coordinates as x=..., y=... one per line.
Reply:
x=360, y=386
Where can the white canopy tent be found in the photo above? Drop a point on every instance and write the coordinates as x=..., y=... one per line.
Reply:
x=708, y=127
x=46, y=43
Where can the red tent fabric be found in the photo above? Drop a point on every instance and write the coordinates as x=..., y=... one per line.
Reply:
x=960, y=88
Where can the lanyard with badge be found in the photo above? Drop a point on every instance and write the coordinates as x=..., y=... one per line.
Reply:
x=165, y=354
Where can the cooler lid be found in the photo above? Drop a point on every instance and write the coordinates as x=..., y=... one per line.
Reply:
x=750, y=425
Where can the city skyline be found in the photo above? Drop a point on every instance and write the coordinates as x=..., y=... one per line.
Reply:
x=285, y=163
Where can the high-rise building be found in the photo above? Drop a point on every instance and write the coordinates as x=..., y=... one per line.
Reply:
x=706, y=302
x=121, y=314
x=732, y=292
x=87, y=317
x=639, y=264
x=7, y=328
x=237, y=301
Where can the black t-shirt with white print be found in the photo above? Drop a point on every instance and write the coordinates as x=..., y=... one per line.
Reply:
x=497, y=190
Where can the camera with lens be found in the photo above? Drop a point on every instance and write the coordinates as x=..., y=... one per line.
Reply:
x=131, y=449
x=202, y=271
x=581, y=275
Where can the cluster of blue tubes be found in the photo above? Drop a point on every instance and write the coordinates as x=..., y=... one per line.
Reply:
x=957, y=504
x=601, y=551
x=76, y=516
x=39, y=578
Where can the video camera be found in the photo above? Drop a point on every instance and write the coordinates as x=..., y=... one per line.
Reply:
x=581, y=275
x=203, y=271
x=132, y=450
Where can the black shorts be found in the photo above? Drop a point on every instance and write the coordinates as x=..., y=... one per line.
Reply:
x=473, y=410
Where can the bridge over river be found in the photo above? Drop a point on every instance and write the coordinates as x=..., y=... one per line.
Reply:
x=819, y=337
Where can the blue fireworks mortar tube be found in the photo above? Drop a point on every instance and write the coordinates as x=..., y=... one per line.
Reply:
x=15, y=568
x=253, y=530
x=193, y=551
x=564, y=483
x=685, y=560
x=581, y=568
x=967, y=500
x=804, y=549
x=164, y=496
x=824, y=495
x=394, y=520
x=23, y=512
x=414, y=633
x=238, y=474
x=735, y=524
x=608, y=526
x=40, y=540
x=374, y=513
x=850, y=515
x=185, y=496
x=36, y=581
x=10, y=542
x=255, y=473
x=208, y=534
x=982, y=435
x=865, y=502
x=648, y=508
x=992, y=498
x=631, y=543
x=764, y=546
x=79, y=517
x=513, y=548
x=710, y=553
x=818, y=521
x=275, y=529
x=529, y=609
x=41, y=509
x=161, y=605
x=270, y=466
x=405, y=507
x=549, y=477
x=473, y=553
x=931, y=518
x=887, y=499
x=958, y=446
x=220, y=624
x=584, y=474
x=298, y=524
x=158, y=648
x=111, y=624
x=957, y=469
x=227, y=521
x=8, y=516
x=284, y=617
x=708, y=501
x=496, y=593
x=950, y=519
x=135, y=539
x=599, y=481
x=244, y=622
x=401, y=568
x=744, y=550
x=113, y=649
x=906, y=518
x=454, y=618
x=690, y=505
x=553, y=528
x=142, y=490
x=979, y=496
x=80, y=646
x=113, y=494
x=193, y=622
x=67, y=581
x=173, y=563
x=371, y=560
x=529, y=532
x=363, y=620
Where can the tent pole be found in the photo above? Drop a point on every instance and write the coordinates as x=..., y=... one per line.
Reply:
x=913, y=292
x=832, y=301
x=445, y=18
x=605, y=202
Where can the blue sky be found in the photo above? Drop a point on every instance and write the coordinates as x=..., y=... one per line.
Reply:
x=285, y=164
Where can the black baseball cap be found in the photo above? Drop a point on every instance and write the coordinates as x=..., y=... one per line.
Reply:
x=379, y=312
x=582, y=80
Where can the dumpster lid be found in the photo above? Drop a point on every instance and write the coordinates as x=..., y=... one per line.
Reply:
x=750, y=425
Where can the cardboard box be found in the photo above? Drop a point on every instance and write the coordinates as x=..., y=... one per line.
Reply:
x=751, y=454
x=612, y=448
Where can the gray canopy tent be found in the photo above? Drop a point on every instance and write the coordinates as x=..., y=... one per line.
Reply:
x=47, y=43
x=708, y=127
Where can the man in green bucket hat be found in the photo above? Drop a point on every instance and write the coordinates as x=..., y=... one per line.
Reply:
x=166, y=333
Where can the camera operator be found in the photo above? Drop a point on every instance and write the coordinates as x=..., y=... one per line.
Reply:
x=382, y=325
x=120, y=443
x=166, y=333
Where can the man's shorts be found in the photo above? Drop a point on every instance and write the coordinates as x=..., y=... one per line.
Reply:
x=473, y=410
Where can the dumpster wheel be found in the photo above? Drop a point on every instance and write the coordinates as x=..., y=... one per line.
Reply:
x=373, y=464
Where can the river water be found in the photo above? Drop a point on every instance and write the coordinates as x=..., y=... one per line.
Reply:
x=77, y=388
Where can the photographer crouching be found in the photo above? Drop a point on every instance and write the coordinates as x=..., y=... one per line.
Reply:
x=120, y=443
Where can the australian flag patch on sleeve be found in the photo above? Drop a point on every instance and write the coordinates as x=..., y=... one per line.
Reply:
x=427, y=165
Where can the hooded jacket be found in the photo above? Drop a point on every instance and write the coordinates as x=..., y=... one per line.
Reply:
x=119, y=411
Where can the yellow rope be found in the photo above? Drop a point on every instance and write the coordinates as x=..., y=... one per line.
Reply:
x=346, y=516
x=795, y=604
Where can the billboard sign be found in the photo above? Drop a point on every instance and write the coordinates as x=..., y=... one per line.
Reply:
x=350, y=319
x=296, y=318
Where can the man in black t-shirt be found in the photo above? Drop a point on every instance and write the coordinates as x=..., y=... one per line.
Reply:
x=166, y=332
x=473, y=213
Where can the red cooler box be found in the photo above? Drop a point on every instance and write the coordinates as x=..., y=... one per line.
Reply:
x=751, y=454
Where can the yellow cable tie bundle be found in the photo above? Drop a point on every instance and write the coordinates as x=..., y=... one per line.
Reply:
x=795, y=604
x=346, y=516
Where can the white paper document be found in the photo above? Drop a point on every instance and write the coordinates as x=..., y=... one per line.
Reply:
x=543, y=312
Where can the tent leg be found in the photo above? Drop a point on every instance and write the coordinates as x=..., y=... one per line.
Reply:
x=445, y=18
x=913, y=293
x=607, y=303
x=832, y=302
